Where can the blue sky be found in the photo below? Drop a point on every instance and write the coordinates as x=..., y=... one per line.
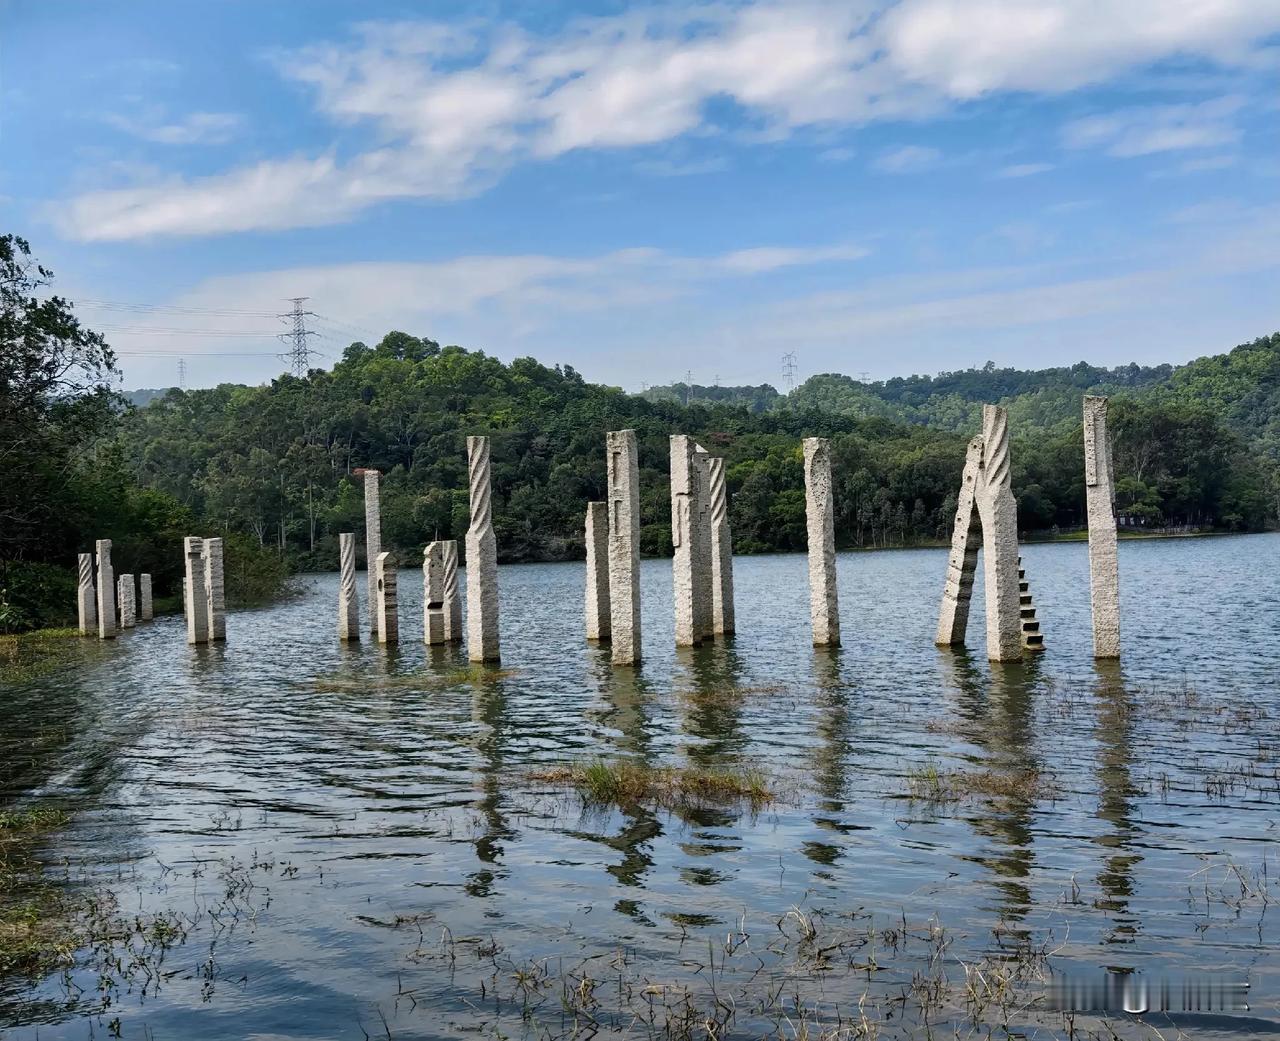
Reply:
x=641, y=191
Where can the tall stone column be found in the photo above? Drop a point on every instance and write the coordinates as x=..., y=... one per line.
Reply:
x=126, y=601
x=1100, y=497
x=106, y=591
x=597, y=588
x=999, y=513
x=482, y=558
x=704, y=596
x=966, y=536
x=197, y=600
x=452, y=594
x=86, y=607
x=434, y=610
x=820, y=522
x=372, y=540
x=690, y=565
x=145, y=609
x=384, y=573
x=348, y=599
x=624, y=546
x=722, y=618
x=215, y=589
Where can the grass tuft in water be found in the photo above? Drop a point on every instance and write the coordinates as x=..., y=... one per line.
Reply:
x=929, y=784
x=625, y=782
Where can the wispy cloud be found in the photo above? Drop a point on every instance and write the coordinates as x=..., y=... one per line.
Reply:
x=1024, y=170
x=1158, y=128
x=197, y=128
x=907, y=159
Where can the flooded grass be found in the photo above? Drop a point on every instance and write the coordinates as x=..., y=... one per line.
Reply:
x=26, y=656
x=626, y=783
x=37, y=932
x=931, y=785
x=343, y=684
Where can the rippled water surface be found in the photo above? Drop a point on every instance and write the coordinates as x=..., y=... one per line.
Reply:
x=354, y=846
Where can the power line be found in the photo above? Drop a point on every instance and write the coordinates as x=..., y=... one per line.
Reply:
x=789, y=370
x=688, y=386
x=300, y=352
x=182, y=373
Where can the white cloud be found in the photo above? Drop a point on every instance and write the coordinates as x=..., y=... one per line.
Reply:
x=1158, y=128
x=1024, y=170
x=453, y=107
x=198, y=128
x=907, y=159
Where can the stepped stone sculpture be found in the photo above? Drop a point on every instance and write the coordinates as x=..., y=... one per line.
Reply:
x=434, y=610
x=146, y=611
x=624, y=546
x=482, y=558
x=126, y=602
x=986, y=504
x=348, y=600
x=690, y=565
x=597, y=590
x=452, y=594
x=215, y=589
x=196, y=599
x=1032, y=638
x=384, y=572
x=372, y=540
x=824, y=603
x=86, y=606
x=1100, y=498
x=106, y=593
x=722, y=618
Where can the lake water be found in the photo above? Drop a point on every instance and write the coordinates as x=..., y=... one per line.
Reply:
x=349, y=842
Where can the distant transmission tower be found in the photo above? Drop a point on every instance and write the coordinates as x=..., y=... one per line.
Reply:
x=688, y=386
x=182, y=373
x=299, y=354
x=789, y=370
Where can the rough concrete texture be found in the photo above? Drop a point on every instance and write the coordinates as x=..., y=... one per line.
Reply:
x=704, y=596
x=348, y=599
x=106, y=592
x=998, y=511
x=126, y=601
x=1100, y=498
x=957, y=592
x=215, y=589
x=196, y=601
x=86, y=602
x=597, y=587
x=452, y=594
x=372, y=540
x=384, y=575
x=434, y=611
x=691, y=588
x=624, y=546
x=824, y=603
x=146, y=612
x=482, y=558
x=722, y=617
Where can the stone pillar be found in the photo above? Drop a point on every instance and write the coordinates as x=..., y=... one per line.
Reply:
x=348, y=600
x=197, y=600
x=998, y=511
x=452, y=594
x=624, y=546
x=690, y=565
x=434, y=610
x=482, y=558
x=126, y=601
x=820, y=522
x=722, y=621
x=1100, y=496
x=597, y=589
x=145, y=610
x=86, y=607
x=106, y=591
x=372, y=540
x=704, y=597
x=957, y=593
x=384, y=574
x=215, y=589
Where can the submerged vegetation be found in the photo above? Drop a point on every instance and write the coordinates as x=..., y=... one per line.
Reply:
x=627, y=782
x=38, y=931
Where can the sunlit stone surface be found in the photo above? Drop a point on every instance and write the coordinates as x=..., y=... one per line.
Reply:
x=372, y=540
x=434, y=613
x=482, y=558
x=452, y=594
x=348, y=599
x=824, y=605
x=998, y=511
x=596, y=593
x=126, y=601
x=106, y=592
x=196, y=602
x=1100, y=497
x=624, y=546
x=215, y=589
x=690, y=563
x=957, y=593
x=384, y=573
x=722, y=616
x=86, y=605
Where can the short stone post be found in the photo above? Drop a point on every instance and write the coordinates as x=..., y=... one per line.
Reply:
x=452, y=594
x=824, y=603
x=966, y=535
x=197, y=600
x=126, y=601
x=348, y=600
x=434, y=611
x=998, y=511
x=482, y=558
x=215, y=589
x=86, y=607
x=690, y=564
x=372, y=540
x=722, y=617
x=145, y=609
x=597, y=587
x=1100, y=497
x=106, y=591
x=384, y=572
x=624, y=546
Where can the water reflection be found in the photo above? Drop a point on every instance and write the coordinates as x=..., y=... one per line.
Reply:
x=1114, y=735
